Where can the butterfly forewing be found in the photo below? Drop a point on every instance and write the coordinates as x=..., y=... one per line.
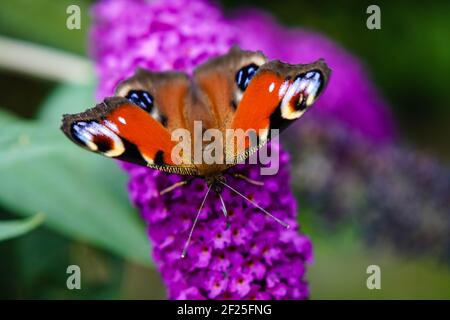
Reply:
x=119, y=129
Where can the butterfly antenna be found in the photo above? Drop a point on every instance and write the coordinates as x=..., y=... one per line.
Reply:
x=284, y=224
x=241, y=176
x=183, y=254
x=173, y=187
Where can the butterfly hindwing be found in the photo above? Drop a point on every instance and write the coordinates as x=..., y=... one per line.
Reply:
x=222, y=81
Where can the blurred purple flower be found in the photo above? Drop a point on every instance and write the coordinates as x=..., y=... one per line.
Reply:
x=158, y=35
x=253, y=257
x=395, y=195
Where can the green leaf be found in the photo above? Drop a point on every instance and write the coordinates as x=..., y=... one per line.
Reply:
x=83, y=195
x=16, y=228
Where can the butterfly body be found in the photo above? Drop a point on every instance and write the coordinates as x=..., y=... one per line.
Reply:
x=240, y=90
x=216, y=182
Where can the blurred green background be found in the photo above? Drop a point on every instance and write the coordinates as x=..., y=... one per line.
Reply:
x=88, y=220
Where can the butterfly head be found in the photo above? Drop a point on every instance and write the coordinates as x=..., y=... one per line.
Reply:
x=216, y=182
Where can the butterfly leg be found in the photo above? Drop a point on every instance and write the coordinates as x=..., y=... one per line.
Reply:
x=224, y=208
x=174, y=186
x=241, y=176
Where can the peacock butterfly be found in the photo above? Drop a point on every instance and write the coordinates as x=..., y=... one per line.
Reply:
x=240, y=90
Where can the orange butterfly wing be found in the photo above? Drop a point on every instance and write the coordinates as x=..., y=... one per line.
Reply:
x=273, y=96
x=119, y=129
x=276, y=96
x=280, y=90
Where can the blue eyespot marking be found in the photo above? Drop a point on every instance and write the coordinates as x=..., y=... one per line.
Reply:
x=244, y=75
x=141, y=98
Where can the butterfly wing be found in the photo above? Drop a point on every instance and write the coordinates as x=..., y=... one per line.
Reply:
x=160, y=94
x=223, y=81
x=246, y=92
x=132, y=128
x=278, y=94
x=217, y=79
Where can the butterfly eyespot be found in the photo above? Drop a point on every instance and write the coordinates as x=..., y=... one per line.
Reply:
x=309, y=86
x=244, y=75
x=141, y=98
x=97, y=138
x=301, y=93
x=299, y=102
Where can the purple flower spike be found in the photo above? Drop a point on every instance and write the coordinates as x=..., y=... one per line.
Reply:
x=247, y=256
